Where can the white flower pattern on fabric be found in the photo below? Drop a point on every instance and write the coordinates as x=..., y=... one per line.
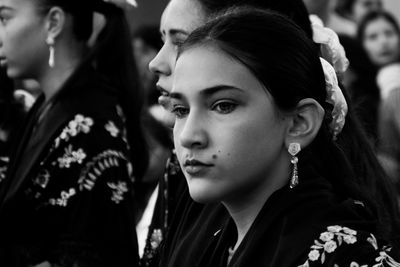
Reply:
x=96, y=167
x=80, y=124
x=63, y=200
x=112, y=129
x=337, y=235
x=70, y=157
x=118, y=191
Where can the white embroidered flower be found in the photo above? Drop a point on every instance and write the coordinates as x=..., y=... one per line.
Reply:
x=330, y=246
x=156, y=238
x=349, y=239
x=349, y=231
x=334, y=228
x=313, y=255
x=326, y=236
x=112, y=129
x=63, y=201
x=70, y=157
x=372, y=241
x=118, y=191
x=75, y=126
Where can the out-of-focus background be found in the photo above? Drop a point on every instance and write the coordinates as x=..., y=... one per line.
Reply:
x=149, y=11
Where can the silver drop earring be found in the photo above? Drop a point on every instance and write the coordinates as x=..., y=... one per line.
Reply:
x=294, y=149
x=50, y=43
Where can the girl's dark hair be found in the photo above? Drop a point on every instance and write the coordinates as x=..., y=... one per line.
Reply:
x=112, y=58
x=294, y=9
x=12, y=112
x=374, y=15
x=286, y=61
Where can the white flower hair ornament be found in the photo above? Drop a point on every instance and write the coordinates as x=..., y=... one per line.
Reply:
x=335, y=97
x=123, y=3
x=331, y=49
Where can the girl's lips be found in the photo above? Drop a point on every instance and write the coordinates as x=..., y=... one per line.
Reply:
x=195, y=167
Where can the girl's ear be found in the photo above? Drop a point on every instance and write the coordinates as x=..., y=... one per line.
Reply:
x=56, y=19
x=305, y=122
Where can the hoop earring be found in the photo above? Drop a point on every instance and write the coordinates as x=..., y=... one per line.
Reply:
x=50, y=43
x=294, y=149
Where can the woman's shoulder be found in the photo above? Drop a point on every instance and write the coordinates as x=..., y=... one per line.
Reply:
x=339, y=246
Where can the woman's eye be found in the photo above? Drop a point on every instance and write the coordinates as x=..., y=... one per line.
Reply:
x=224, y=107
x=180, y=111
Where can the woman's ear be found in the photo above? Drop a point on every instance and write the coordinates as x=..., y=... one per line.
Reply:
x=305, y=123
x=56, y=19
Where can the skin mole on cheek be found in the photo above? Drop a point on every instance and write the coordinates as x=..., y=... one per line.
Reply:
x=214, y=156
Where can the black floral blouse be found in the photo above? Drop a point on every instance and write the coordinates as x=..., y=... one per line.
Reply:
x=309, y=225
x=68, y=195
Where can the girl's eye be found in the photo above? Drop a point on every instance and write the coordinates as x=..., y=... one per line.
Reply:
x=177, y=44
x=224, y=107
x=3, y=20
x=180, y=111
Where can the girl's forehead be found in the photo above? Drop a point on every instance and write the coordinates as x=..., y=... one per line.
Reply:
x=185, y=14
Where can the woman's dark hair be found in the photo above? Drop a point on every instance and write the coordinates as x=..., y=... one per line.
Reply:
x=12, y=112
x=112, y=58
x=294, y=9
x=286, y=61
x=372, y=16
x=150, y=34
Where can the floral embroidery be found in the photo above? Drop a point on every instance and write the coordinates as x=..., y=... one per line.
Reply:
x=95, y=168
x=42, y=179
x=3, y=167
x=71, y=156
x=65, y=196
x=77, y=125
x=118, y=190
x=384, y=259
x=112, y=129
x=152, y=246
x=337, y=235
x=329, y=241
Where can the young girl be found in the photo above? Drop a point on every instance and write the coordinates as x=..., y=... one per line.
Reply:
x=67, y=198
x=179, y=19
x=261, y=128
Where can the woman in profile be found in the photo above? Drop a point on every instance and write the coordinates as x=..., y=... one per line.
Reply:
x=66, y=200
x=263, y=128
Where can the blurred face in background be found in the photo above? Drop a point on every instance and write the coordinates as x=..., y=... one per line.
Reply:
x=361, y=7
x=382, y=42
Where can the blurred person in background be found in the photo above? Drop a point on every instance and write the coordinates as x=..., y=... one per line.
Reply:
x=379, y=33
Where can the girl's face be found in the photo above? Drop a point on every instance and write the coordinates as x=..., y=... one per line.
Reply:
x=382, y=42
x=228, y=134
x=22, y=38
x=362, y=7
x=179, y=19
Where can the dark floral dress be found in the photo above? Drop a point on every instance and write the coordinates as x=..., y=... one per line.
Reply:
x=309, y=225
x=67, y=198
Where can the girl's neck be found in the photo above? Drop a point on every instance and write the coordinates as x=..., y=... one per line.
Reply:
x=53, y=78
x=245, y=208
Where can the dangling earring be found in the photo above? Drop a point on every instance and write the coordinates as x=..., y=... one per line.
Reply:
x=50, y=43
x=294, y=149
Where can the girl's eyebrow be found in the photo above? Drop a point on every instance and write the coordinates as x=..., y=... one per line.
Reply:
x=209, y=90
